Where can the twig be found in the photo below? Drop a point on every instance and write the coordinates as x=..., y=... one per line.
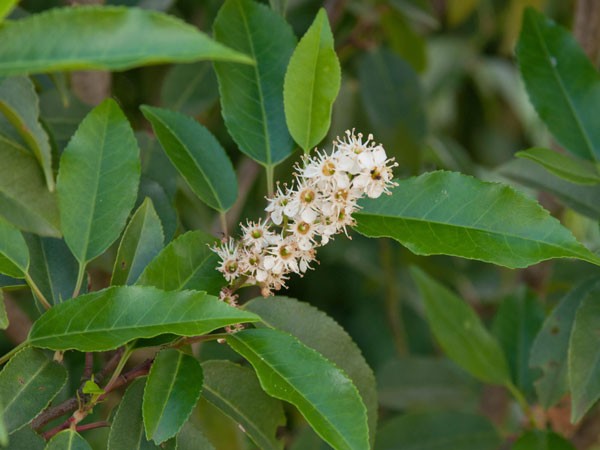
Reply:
x=72, y=403
x=89, y=366
x=68, y=406
x=93, y=425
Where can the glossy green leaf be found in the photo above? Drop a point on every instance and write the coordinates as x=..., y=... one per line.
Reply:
x=516, y=324
x=289, y=370
x=584, y=355
x=436, y=431
x=28, y=383
x=141, y=242
x=26, y=439
x=191, y=438
x=14, y=255
x=542, y=440
x=98, y=181
x=61, y=113
x=320, y=332
x=252, y=96
x=172, y=390
x=426, y=383
x=550, y=348
x=563, y=166
x=562, y=84
x=3, y=315
x=236, y=391
x=20, y=104
x=312, y=82
x=197, y=155
x=190, y=88
x=24, y=198
x=582, y=199
x=107, y=319
x=163, y=205
x=460, y=332
x=453, y=214
x=127, y=429
x=68, y=440
x=53, y=267
x=108, y=38
x=186, y=263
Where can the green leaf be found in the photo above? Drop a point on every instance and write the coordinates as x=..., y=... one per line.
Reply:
x=20, y=104
x=3, y=315
x=460, y=332
x=236, y=391
x=26, y=439
x=186, y=263
x=317, y=330
x=127, y=429
x=24, y=198
x=61, y=113
x=426, y=383
x=562, y=84
x=68, y=440
x=141, y=242
x=14, y=255
x=404, y=40
x=312, y=82
x=53, y=267
x=191, y=438
x=190, y=88
x=3, y=430
x=162, y=203
x=98, y=181
x=28, y=383
x=172, y=390
x=582, y=199
x=6, y=7
x=252, y=96
x=90, y=387
x=517, y=322
x=8, y=282
x=436, y=431
x=542, y=440
x=584, y=355
x=107, y=319
x=550, y=348
x=197, y=155
x=106, y=38
x=325, y=396
x=453, y=214
x=393, y=100
x=567, y=167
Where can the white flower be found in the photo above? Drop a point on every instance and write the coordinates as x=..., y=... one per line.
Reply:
x=321, y=205
x=276, y=205
x=256, y=235
x=376, y=174
x=304, y=233
x=325, y=171
x=282, y=257
x=303, y=204
x=230, y=265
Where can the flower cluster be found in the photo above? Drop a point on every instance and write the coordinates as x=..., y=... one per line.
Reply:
x=308, y=214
